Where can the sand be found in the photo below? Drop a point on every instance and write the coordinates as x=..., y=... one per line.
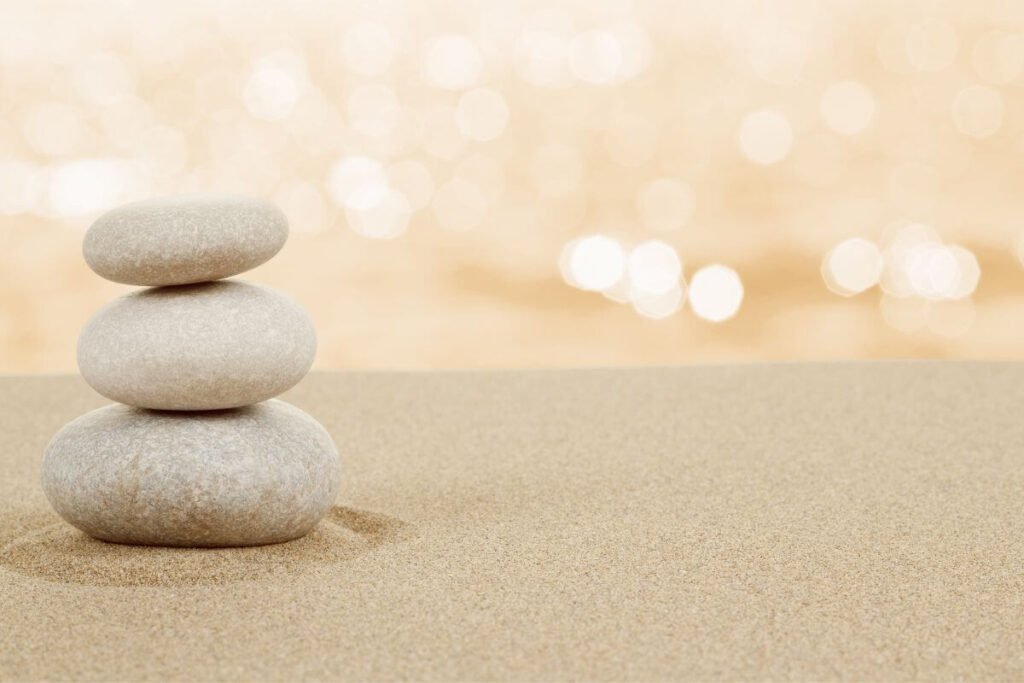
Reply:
x=788, y=522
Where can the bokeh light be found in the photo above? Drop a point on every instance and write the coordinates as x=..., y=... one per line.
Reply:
x=530, y=173
x=385, y=218
x=998, y=57
x=274, y=86
x=658, y=305
x=765, y=136
x=482, y=114
x=716, y=293
x=654, y=268
x=596, y=262
x=848, y=107
x=595, y=57
x=852, y=266
x=452, y=62
x=543, y=48
x=978, y=111
x=357, y=182
x=85, y=186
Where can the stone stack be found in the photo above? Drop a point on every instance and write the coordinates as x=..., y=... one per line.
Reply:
x=200, y=454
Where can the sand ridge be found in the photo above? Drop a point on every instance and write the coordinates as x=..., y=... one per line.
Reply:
x=54, y=551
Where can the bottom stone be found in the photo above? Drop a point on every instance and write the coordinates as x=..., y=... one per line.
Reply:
x=261, y=474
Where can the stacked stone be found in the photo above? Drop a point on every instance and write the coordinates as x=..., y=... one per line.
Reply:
x=200, y=454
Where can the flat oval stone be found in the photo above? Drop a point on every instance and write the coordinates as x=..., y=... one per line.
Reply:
x=265, y=473
x=180, y=240
x=207, y=346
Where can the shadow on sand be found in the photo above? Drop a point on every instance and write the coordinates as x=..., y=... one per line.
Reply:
x=49, y=549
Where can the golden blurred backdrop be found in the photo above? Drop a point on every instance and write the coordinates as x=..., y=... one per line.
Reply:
x=509, y=184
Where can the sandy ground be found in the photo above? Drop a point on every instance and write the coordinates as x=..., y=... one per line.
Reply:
x=860, y=521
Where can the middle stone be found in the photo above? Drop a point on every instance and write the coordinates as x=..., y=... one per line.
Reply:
x=207, y=346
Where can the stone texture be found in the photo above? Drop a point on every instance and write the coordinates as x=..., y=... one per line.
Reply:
x=180, y=240
x=262, y=474
x=197, y=347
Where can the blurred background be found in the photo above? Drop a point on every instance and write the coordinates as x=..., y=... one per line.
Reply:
x=541, y=184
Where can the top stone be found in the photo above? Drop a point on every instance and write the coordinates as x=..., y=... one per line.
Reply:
x=182, y=240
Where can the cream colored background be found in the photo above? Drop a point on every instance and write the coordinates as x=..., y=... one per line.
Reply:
x=440, y=162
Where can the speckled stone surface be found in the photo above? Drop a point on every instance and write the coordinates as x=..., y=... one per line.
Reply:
x=197, y=347
x=180, y=240
x=261, y=474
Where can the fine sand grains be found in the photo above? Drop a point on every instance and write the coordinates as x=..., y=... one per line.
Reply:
x=789, y=522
